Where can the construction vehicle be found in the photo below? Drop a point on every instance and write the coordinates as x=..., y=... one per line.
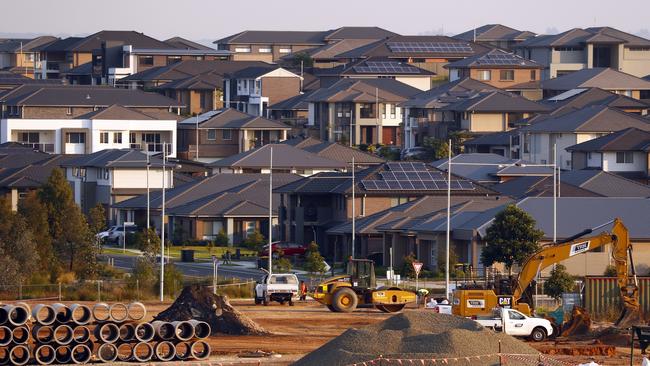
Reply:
x=358, y=289
x=474, y=302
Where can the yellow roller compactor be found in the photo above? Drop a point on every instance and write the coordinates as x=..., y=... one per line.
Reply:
x=358, y=289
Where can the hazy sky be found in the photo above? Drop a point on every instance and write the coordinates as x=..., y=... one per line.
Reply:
x=209, y=20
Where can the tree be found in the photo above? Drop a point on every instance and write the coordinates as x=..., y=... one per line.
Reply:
x=148, y=242
x=282, y=264
x=34, y=213
x=222, y=239
x=97, y=219
x=439, y=148
x=559, y=282
x=610, y=271
x=255, y=241
x=511, y=238
x=18, y=255
x=306, y=60
x=314, y=261
x=407, y=266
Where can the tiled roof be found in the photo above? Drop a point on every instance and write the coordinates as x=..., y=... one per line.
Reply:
x=25, y=44
x=599, y=77
x=284, y=157
x=182, y=43
x=229, y=118
x=275, y=37
x=381, y=48
x=486, y=168
x=579, y=37
x=496, y=101
x=629, y=139
x=364, y=90
x=495, y=32
x=116, y=158
x=495, y=58
x=448, y=93
x=188, y=68
x=335, y=151
x=118, y=112
x=600, y=119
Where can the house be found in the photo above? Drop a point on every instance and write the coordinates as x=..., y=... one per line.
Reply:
x=10, y=80
x=490, y=169
x=110, y=176
x=501, y=69
x=623, y=152
x=226, y=132
x=583, y=97
x=271, y=46
x=595, y=47
x=286, y=159
x=537, y=141
x=293, y=112
x=335, y=151
x=326, y=56
x=367, y=109
x=315, y=204
x=499, y=143
x=604, y=78
x=238, y=204
x=83, y=120
x=20, y=57
x=496, y=35
x=182, y=43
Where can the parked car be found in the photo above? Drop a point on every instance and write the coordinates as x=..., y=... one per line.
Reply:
x=438, y=305
x=417, y=152
x=118, y=233
x=287, y=249
x=104, y=234
x=280, y=287
x=515, y=323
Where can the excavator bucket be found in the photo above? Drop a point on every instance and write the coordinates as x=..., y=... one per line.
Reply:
x=578, y=324
x=629, y=317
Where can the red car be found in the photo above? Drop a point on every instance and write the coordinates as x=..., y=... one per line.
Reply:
x=288, y=249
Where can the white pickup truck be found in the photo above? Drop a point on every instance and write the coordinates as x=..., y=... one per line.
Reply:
x=514, y=323
x=280, y=287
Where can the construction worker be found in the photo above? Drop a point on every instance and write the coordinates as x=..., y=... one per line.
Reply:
x=303, y=291
x=227, y=258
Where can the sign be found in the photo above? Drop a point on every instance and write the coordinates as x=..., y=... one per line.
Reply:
x=578, y=248
x=476, y=303
x=129, y=223
x=504, y=301
x=417, y=266
x=215, y=260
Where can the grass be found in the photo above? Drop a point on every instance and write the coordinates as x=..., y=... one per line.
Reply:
x=200, y=252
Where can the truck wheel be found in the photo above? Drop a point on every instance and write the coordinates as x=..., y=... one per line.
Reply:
x=392, y=308
x=331, y=308
x=345, y=300
x=538, y=334
x=257, y=301
x=290, y=302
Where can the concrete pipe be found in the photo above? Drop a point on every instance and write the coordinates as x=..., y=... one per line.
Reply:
x=45, y=354
x=20, y=335
x=107, y=352
x=136, y=311
x=63, y=334
x=81, y=334
x=43, y=334
x=81, y=314
x=165, y=351
x=4, y=356
x=44, y=314
x=5, y=336
x=107, y=332
x=127, y=332
x=4, y=316
x=63, y=355
x=119, y=312
x=144, y=332
x=142, y=352
x=16, y=315
x=202, y=329
x=101, y=312
x=63, y=313
x=164, y=330
x=183, y=330
x=19, y=355
x=183, y=350
x=81, y=353
x=25, y=306
x=200, y=350
x=124, y=352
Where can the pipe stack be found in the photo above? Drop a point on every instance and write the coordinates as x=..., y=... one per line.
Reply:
x=78, y=334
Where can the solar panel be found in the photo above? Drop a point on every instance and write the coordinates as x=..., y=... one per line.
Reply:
x=386, y=67
x=407, y=167
x=501, y=59
x=416, y=185
x=436, y=47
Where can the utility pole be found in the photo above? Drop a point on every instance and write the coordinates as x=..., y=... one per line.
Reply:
x=148, y=164
x=555, y=193
x=271, y=213
x=354, y=210
x=448, y=222
x=197, y=137
x=162, y=230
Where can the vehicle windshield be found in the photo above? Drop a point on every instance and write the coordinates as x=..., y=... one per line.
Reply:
x=284, y=280
x=516, y=315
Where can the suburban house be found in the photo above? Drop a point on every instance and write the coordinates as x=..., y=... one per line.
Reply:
x=114, y=175
x=536, y=141
x=226, y=132
x=623, y=152
x=366, y=109
x=595, y=47
x=501, y=69
x=335, y=151
x=326, y=56
x=583, y=97
x=496, y=35
x=604, y=78
x=238, y=204
x=286, y=159
x=271, y=46
x=499, y=143
x=83, y=120
x=10, y=80
x=253, y=89
x=378, y=68
x=293, y=111
x=19, y=55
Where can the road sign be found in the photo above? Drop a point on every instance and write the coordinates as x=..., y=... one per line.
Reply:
x=417, y=266
x=215, y=260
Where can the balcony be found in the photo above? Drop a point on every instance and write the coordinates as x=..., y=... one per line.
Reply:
x=152, y=148
x=47, y=148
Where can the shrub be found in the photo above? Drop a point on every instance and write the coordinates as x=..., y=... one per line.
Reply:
x=610, y=271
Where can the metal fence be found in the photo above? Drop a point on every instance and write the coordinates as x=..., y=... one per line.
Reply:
x=602, y=296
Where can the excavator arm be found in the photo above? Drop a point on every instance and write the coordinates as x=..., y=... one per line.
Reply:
x=577, y=244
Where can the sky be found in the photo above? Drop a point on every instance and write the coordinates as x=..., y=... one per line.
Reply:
x=209, y=20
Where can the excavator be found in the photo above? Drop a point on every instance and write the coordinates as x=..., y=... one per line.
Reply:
x=472, y=302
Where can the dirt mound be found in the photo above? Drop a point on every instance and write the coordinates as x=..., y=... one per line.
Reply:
x=416, y=335
x=197, y=302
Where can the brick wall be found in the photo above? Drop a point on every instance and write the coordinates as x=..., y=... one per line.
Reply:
x=280, y=88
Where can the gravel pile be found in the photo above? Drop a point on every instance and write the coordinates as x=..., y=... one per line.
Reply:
x=416, y=335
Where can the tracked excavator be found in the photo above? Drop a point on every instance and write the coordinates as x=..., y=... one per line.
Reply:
x=472, y=302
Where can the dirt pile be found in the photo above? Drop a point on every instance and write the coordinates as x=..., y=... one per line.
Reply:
x=197, y=302
x=417, y=335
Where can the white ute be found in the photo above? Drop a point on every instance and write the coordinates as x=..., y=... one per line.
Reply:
x=281, y=287
x=514, y=323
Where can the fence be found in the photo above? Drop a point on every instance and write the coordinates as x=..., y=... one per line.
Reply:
x=602, y=295
x=495, y=358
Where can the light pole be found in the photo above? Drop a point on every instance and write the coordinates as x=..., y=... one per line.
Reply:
x=197, y=137
x=162, y=229
x=215, y=272
x=354, y=211
x=448, y=223
x=148, y=165
x=271, y=213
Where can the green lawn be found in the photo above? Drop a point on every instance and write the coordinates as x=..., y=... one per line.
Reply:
x=201, y=252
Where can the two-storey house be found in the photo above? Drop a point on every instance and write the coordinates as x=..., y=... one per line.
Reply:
x=20, y=56
x=496, y=35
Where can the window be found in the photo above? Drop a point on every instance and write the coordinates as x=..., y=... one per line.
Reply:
x=243, y=49
x=265, y=50
x=639, y=48
x=103, y=137
x=624, y=157
x=75, y=138
x=68, y=111
x=198, y=58
x=145, y=60
x=515, y=315
x=173, y=59
x=211, y=229
x=367, y=110
x=533, y=74
x=507, y=75
x=105, y=173
x=563, y=49
x=29, y=137
x=212, y=134
x=117, y=137
x=285, y=50
x=250, y=227
x=484, y=75
x=132, y=138
x=226, y=134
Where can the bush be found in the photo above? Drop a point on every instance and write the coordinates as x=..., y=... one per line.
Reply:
x=173, y=281
x=610, y=271
x=222, y=239
x=255, y=241
x=559, y=282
